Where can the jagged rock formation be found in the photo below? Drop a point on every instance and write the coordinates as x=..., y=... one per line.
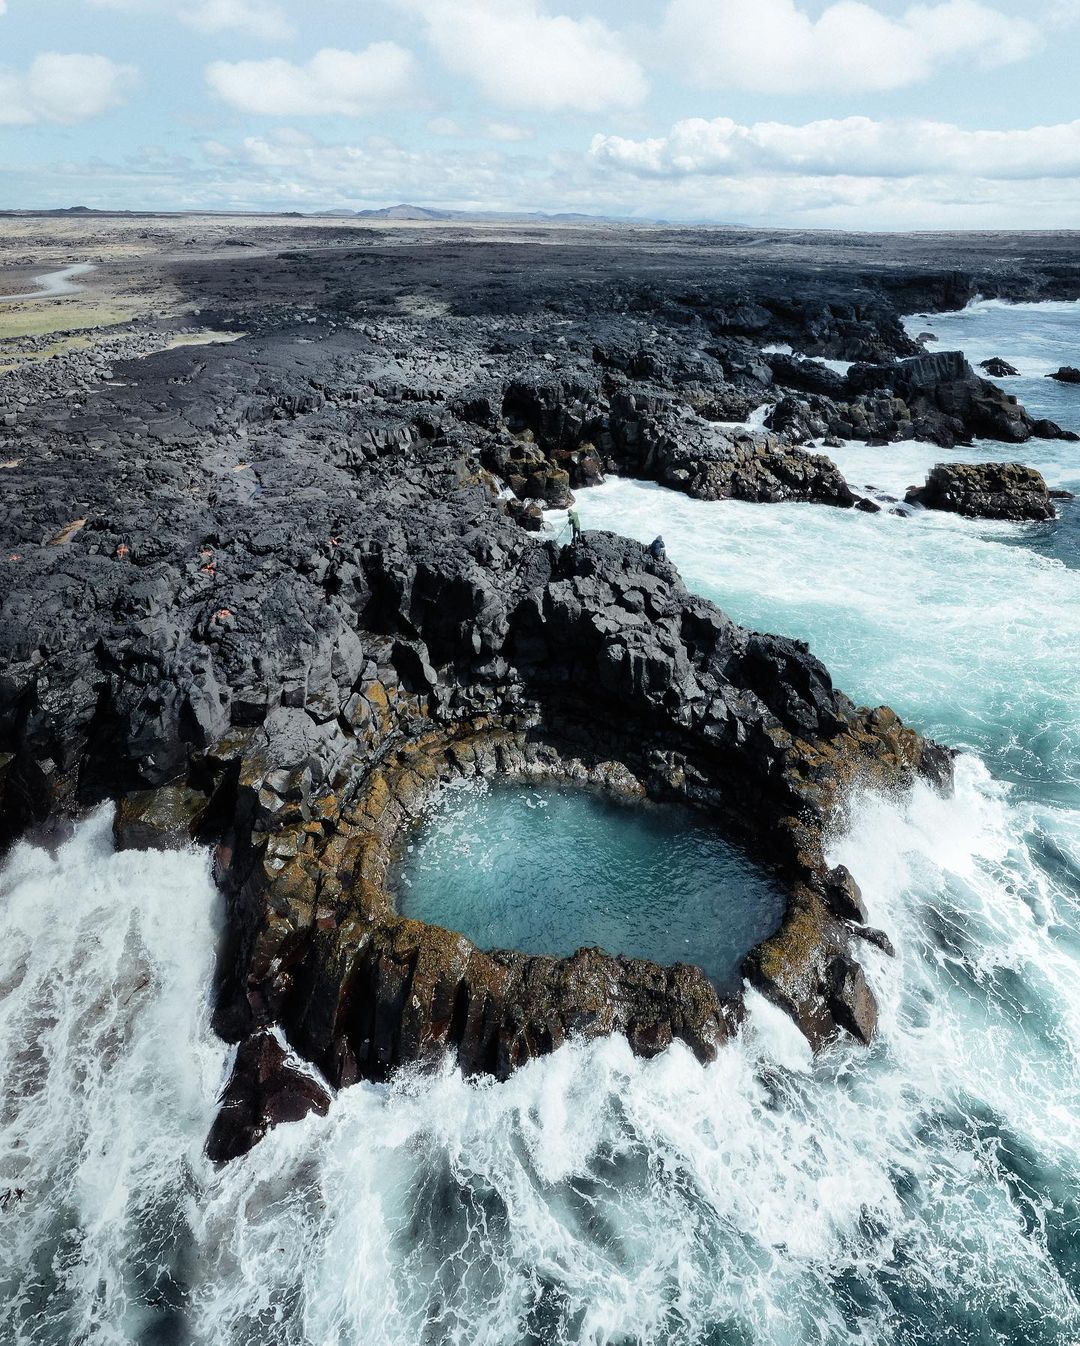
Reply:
x=985, y=491
x=1066, y=374
x=268, y=1086
x=936, y=398
x=659, y=417
x=657, y=439
x=272, y=594
x=599, y=652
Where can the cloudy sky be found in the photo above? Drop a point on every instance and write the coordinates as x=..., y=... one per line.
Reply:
x=855, y=113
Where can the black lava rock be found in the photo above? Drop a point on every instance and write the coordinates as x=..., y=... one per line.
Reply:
x=986, y=491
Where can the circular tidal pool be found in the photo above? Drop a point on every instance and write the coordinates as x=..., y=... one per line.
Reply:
x=549, y=868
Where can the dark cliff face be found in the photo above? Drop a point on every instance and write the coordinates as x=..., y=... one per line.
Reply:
x=269, y=595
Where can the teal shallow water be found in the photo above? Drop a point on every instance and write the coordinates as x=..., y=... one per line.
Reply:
x=923, y=1193
x=551, y=869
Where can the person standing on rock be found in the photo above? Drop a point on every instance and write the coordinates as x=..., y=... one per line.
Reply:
x=575, y=524
x=657, y=549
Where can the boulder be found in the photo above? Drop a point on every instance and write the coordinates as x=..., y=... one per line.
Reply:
x=851, y=1000
x=528, y=513
x=844, y=896
x=998, y=368
x=1066, y=374
x=985, y=491
x=1046, y=429
x=164, y=819
x=807, y=970
x=805, y=375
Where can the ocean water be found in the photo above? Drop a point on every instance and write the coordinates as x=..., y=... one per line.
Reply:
x=108, y=1076
x=550, y=868
x=1036, y=339
x=925, y=1192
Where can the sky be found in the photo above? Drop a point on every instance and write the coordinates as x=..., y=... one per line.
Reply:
x=796, y=113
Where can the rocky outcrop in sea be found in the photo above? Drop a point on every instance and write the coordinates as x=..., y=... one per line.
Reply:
x=986, y=491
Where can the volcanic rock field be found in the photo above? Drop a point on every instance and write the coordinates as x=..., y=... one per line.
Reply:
x=273, y=570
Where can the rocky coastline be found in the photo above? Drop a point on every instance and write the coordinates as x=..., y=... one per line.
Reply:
x=270, y=595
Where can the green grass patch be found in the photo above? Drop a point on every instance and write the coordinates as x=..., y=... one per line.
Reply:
x=37, y=317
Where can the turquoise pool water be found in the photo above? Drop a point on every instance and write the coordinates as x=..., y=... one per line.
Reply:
x=552, y=868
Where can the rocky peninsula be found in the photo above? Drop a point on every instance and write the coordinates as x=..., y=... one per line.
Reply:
x=271, y=593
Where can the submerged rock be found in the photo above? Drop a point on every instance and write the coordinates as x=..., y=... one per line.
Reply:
x=267, y=1086
x=986, y=491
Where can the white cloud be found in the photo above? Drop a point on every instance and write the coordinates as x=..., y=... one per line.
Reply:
x=519, y=56
x=773, y=46
x=292, y=170
x=507, y=131
x=60, y=88
x=850, y=147
x=922, y=202
x=290, y=167
x=446, y=126
x=258, y=18
x=261, y=20
x=332, y=83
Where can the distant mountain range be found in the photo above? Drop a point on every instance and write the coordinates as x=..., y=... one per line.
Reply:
x=405, y=213
x=421, y=213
